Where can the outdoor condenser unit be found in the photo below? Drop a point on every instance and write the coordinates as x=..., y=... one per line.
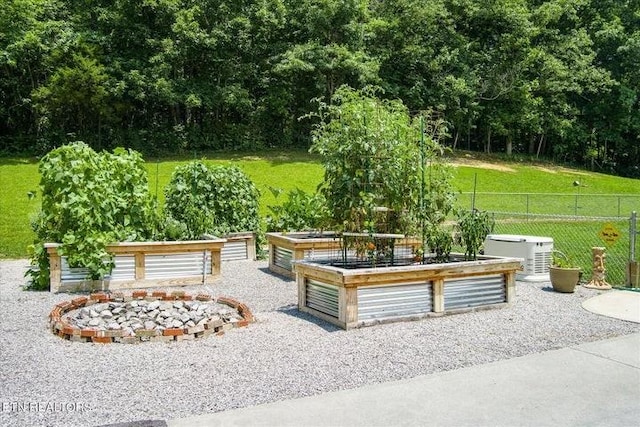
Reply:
x=535, y=250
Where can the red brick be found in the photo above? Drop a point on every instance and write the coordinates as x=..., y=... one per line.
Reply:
x=68, y=330
x=203, y=297
x=139, y=294
x=79, y=302
x=224, y=300
x=101, y=340
x=242, y=323
x=98, y=296
x=64, y=306
x=158, y=294
x=220, y=333
x=88, y=333
x=178, y=294
x=186, y=298
x=172, y=332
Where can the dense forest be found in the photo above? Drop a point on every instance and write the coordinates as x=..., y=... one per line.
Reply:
x=558, y=79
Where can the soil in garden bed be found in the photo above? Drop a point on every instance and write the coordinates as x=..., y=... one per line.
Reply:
x=355, y=263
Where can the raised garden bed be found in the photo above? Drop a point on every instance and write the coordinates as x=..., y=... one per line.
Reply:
x=286, y=248
x=239, y=246
x=354, y=297
x=142, y=265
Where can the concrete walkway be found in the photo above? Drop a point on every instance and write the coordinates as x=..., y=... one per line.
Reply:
x=593, y=384
x=624, y=305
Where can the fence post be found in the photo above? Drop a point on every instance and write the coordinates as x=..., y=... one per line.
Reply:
x=633, y=232
x=632, y=265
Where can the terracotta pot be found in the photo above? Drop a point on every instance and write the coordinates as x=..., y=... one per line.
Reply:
x=564, y=279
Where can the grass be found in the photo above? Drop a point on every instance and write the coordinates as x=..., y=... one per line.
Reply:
x=297, y=168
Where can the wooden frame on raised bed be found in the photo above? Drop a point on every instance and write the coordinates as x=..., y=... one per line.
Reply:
x=286, y=248
x=143, y=265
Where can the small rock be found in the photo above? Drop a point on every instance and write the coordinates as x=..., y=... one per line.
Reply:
x=177, y=324
x=149, y=324
x=106, y=314
x=118, y=310
x=114, y=326
x=178, y=304
x=94, y=322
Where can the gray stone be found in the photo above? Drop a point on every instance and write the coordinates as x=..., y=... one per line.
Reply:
x=106, y=314
x=95, y=322
x=150, y=324
x=118, y=310
x=154, y=305
x=178, y=304
x=94, y=313
x=184, y=317
x=114, y=326
x=132, y=304
x=190, y=324
x=177, y=324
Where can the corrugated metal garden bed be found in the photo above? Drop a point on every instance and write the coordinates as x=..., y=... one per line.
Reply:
x=354, y=297
x=153, y=264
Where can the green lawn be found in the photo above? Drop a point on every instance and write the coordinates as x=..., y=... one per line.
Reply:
x=291, y=169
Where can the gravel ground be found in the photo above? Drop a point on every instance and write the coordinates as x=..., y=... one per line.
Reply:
x=284, y=355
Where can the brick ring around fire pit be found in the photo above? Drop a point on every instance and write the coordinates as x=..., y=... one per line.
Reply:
x=143, y=316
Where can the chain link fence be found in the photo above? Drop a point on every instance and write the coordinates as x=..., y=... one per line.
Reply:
x=576, y=222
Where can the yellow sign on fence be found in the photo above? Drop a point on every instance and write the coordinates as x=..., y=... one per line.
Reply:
x=609, y=234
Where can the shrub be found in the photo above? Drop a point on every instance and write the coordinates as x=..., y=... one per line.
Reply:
x=214, y=200
x=89, y=200
x=301, y=211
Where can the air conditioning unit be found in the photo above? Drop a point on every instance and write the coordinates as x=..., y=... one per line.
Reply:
x=535, y=250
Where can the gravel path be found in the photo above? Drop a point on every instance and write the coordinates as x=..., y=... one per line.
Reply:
x=284, y=355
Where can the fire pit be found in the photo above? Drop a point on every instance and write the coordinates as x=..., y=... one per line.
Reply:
x=143, y=316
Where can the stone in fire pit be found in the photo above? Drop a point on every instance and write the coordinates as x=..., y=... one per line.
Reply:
x=158, y=316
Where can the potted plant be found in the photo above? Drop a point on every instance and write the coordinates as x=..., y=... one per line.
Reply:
x=563, y=274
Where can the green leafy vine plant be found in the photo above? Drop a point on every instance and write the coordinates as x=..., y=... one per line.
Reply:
x=89, y=200
x=211, y=199
x=299, y=212
x=472, y=228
